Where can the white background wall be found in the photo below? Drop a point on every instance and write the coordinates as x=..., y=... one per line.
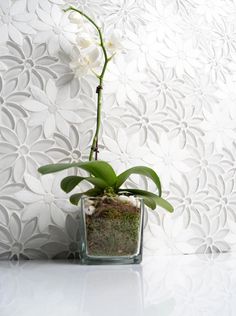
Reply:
x=169, y=103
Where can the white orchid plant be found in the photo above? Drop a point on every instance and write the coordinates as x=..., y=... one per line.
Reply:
x=94, y=54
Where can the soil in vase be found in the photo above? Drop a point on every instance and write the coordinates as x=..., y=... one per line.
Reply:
x=113, y=227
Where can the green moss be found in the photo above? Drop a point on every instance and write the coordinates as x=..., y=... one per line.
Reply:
x=113, y=230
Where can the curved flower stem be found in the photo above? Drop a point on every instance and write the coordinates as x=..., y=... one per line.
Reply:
x=94, y=147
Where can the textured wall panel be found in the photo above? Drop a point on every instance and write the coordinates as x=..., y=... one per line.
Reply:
x=169, y=102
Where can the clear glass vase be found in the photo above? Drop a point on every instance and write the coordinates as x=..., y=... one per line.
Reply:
x=111, y=230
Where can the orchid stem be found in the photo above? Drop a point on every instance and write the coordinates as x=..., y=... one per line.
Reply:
x=95, y=142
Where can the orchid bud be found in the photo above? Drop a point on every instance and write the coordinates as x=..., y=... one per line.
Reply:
x=84, y=41
x=75, y=18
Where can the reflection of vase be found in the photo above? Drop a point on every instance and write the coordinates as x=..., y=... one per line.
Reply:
x=113, y=291
x=111, y=230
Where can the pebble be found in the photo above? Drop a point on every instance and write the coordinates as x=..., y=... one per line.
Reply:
x=130, y=199
x=89, y=210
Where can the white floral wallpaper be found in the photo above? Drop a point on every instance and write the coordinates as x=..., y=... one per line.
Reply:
x=169, y=102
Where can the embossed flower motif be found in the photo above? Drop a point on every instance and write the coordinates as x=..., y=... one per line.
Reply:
x=167, y=157
x=70, y=149
x=122, y=152
x=142, y=47
x=219, y=128
x=165, y=87
x=55, y=29
x=171, y=235
x=184, y=122
x=3, y=67
x=124, y=14
x=180, y=55
x=189, y=200
x=227, y=97
x=33, y=5
x=21, y=240
x=213, y=10
x=194, y=28
x=14, y=21
x=64, y=243
x=162, y=17
x=44, y=199
x=111, y=115
x=67, y=82
x=217, y=66
x=8, y=201
x=124, y=81
x=9, y=102
x=23, y=150
x=92, y=6
x=183, y=7
x=222, y=197
x=52, y=112
x=205, y=164
x=225, y=36
x=199, y=93
x=229, y=160
x=28, y=64
x=144, y=119
x=209, y=236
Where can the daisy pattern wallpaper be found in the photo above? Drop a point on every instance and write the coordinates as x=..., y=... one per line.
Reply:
x=169, y=103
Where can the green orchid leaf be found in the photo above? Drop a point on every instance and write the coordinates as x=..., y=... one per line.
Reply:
x=164, y=204
x=149, y=202
x=141, y=170
x=70, y=182
x=145, y=194
x=99, y=169
x=97, y=182
x=75, y=198
x=51, y=168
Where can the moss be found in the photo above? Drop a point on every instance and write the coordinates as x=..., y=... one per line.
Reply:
x=113, y=229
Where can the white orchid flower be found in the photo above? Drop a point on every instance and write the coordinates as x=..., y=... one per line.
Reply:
x=114, y=42
x=86, y=62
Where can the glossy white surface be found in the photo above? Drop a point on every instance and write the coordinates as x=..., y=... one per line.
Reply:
x=171, y=285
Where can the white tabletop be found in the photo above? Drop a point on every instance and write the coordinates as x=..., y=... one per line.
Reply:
x=166, y=285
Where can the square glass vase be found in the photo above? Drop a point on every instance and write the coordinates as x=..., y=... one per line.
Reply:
x=111, y=230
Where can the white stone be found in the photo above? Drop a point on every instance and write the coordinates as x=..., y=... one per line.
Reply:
x=124, y=198
x=131, y=199
x=90, y=210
